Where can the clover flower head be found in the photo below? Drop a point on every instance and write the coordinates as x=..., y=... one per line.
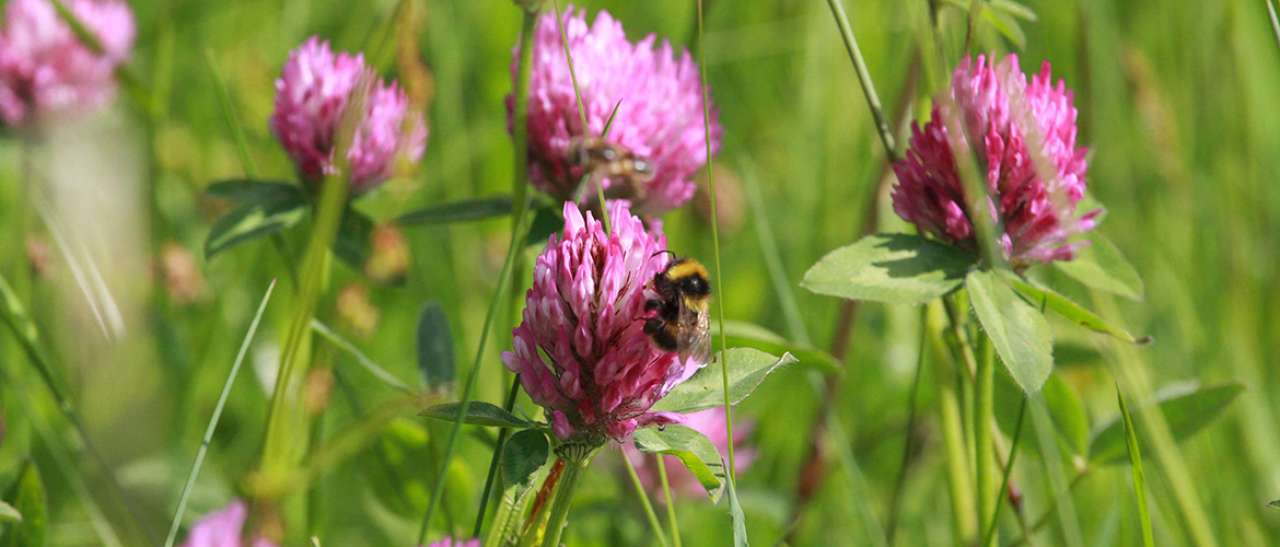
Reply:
x=224, y=529
x=1024, y=136
x=311, y=94
x=45, y=68
x=658, y=95
x=581, y=350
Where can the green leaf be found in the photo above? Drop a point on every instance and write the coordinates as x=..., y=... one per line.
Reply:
x=744, y=334
x=694, y=450
x=1066, y=413
x=8, y=513
x=1015, y=9
x=747, y=369
x=891, y=268
x=478, y=413
x=459, y=211
x=1006, y=25
x=524, y=453
x=435, y=346
x=1274, y=503
x=354, y=237
x=256, y=191
x=27, y=497
x=1018, y=331
x=1135, y=464
x=546, y=221
x=250, y=221
x=1069, y=310
x=1102, y=266
x=1188, y=409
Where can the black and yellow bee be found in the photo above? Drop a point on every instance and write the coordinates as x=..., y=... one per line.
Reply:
x=681, y=323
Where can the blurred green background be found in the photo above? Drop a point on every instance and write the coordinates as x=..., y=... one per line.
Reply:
x=1177, y=104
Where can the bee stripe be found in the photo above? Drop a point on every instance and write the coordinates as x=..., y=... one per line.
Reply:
x=685, y=269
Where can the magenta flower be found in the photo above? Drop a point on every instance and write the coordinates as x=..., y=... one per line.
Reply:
x=1024, y=135
x=43, y=66
x=586, y=313
x=709, y=422
x=311, y=94
x=659, y=117
x=223, y=529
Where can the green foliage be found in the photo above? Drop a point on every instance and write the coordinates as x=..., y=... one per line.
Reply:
x=478, y=413
x=1135, y=464
x=1069, y=310
x=1102, y=266
x=524, y=453
x=891, y=268
x=8, y=514
x=27, y=496
x=261, y=208
x=1018, y=331
x=355, y=234
x=458, y=211
x=1188, y=409
x=435, y=346
x=693, y=449
x=747, y=370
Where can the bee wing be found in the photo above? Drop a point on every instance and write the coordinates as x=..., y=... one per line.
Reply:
x=694, y=338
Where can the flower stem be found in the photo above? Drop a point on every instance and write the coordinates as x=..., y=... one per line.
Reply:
x=671, y=505
x=649, y=514
x=493, y=461
x=984, y=415
x=990, y=533
x=563, y=499
x=959, y=489
x=864, y=78
x=520, y=207
x=715, y=244
x=901, y=480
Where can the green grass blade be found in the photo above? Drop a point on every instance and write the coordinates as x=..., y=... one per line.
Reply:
x=215, y=417
x=376, y=370
x=1135, y=463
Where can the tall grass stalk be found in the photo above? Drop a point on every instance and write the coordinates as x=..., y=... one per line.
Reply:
x=1135, y=465
x=671, y=504
x=864, y=79
x=215, y=417
x=994, y=521
x=645, y=504
x=14, y=315
x=520, y=207
x=984, y=445
x=715, y=245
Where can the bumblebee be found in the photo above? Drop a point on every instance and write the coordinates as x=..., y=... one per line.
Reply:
x=680, y=321
x=600, y=159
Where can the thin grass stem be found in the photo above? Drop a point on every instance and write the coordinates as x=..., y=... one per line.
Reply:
x=715, y=245
x=900, y=482
x=990, y=533
x=1135, y=463
x=864, y=78
x=645, y=504
x=520, y=205
x=491, y=477
x=671, y=503
x=216, y=417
